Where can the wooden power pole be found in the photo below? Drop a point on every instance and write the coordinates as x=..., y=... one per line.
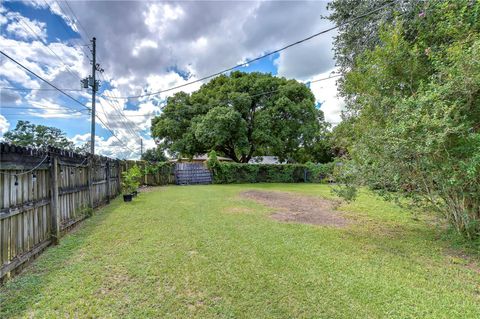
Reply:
x=92, y=82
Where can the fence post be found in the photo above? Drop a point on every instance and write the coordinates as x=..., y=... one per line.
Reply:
x=119, y=177
x=54, y=205
x=107, y=167
x=90, y=181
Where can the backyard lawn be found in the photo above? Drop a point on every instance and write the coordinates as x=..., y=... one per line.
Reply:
x=217, y=251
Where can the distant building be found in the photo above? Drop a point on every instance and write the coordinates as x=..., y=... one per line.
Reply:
x=264, y=160
x=200, y=159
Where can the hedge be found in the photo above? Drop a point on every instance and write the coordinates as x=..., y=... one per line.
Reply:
x=230, y=173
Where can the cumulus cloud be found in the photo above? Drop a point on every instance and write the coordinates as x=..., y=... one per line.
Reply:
x=155, y=46
x=4, y=125
x=23, y=27
x=326, y=93
x=202, y=37
x=110, y=146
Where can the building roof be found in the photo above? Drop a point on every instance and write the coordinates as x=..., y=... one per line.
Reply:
x=264, y=160
x=200, y=158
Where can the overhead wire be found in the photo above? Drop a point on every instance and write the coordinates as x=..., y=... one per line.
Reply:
x=118, y=108
x=35, y=35
x=205, y=77
x=63, y=12
x=39, y=89
x=262, y=56
x=77, y=20
x=66, y=94
x=129, y=125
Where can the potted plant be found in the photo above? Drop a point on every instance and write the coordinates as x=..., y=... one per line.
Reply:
x=130, y=183
x=136, y=175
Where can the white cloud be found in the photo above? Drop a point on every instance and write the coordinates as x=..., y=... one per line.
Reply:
x=25, y=28
x=326, y=93
x=111, y=147
x=201, y=37
x=4, y=125
x=144, y=49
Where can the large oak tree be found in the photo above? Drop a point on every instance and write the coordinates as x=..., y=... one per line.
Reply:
x=240, y=116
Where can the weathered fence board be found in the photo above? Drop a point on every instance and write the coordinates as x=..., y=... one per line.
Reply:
x=43, y=193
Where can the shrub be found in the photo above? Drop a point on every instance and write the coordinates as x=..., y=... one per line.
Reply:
x=131, y=179
x=161, y=172
x=228, y=173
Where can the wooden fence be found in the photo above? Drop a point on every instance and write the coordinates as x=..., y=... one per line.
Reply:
x=43, y=194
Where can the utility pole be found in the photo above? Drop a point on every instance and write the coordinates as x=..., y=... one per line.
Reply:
x=94, y=92
x=92, y=82
x=141, y=148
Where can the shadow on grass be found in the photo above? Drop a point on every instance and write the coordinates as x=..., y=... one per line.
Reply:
x=22, y=292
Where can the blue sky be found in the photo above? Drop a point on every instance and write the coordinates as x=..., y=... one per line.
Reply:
x=154, y=46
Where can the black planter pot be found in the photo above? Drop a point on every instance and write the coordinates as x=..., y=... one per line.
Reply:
x=127, y=197
x=135, y=193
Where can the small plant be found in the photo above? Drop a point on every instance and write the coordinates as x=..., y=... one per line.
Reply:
x=131, y=179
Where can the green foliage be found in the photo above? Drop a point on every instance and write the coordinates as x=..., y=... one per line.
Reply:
x=38, y=136
x=227, y=173
x=414, y=129
x=318, y=173
x=154, y=168
x=352, y=42
x=154, y=155
x=162, y=172
x=131, y=179
x=213, y=163
x=243, y=115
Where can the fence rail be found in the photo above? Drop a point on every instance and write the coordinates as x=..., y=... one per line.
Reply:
x=44, y=193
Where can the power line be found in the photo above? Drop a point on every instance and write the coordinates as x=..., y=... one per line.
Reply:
x=77, y=20
x=81, y=37
x=66, y=94
x=118, y=109
x=262, y=56
x=61, y=10
x=39, y=89
x=42, y=115
x=35, y=34
x=324, y=79
x=20, y=107
x=41, y=78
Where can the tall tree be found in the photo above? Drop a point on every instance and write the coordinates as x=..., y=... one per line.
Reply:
x=240, y=116
x=353, y=39
x=38, y=136
x=415, y=98
x=154, y=155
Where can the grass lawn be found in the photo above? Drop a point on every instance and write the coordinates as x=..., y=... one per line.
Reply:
x=203, y=251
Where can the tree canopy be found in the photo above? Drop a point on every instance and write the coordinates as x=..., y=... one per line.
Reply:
x=38, y=136
x=414, y=113
x=240, y=116
x=154, y=155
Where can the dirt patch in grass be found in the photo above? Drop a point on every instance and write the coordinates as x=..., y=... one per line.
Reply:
x=461, y=258
x=299, y=208
x=148, y=189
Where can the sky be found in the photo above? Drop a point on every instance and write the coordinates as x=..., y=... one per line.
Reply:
x=147, y=47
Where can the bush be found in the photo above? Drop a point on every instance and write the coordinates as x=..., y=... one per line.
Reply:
x=131, y=179
x=319, y=173
x=229, y=173
x=159, y=173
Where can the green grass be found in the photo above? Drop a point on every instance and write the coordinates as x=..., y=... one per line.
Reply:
x=201, y=251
